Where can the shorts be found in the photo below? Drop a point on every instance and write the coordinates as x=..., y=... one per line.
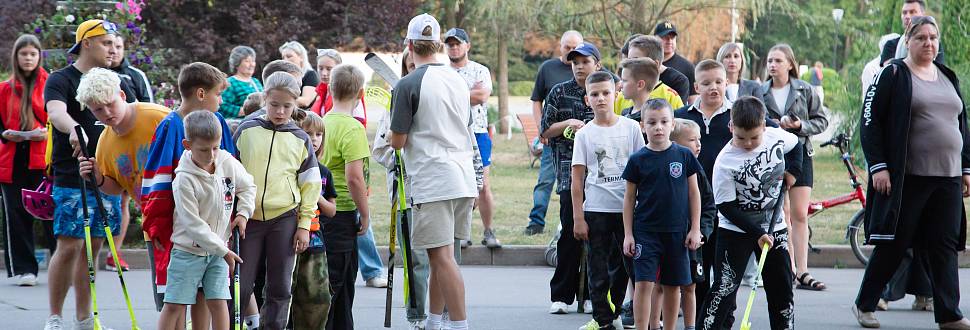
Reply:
x=484, y=147
x=69, y=215
x=807, y=177
x=188, y=272
x=663, y=258
x=437, y=224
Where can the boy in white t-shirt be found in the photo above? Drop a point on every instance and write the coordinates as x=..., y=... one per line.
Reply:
x=600, y=153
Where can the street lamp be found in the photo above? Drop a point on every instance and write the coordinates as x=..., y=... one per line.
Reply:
x=837, y=14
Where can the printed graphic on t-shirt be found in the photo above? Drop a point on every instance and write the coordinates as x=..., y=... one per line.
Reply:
x=758, y=180
x=676, y=169
x=227, y=189
x=131, y=169
x=609, y=160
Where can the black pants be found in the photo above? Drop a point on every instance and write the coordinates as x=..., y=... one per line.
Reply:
x=607, y=270
x=929, y=222
x=708, y=252
x=733, y=251
x=342, y=268
x=565, y=281
x=19, y=225
x=910, y=278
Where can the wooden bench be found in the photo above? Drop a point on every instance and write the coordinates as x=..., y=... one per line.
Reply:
x=531, y=132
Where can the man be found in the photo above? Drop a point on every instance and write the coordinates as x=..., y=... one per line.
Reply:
x=480, y=87
x=551, y=72
x=668, y=33
x=897, y=48
x=131, y=76
x=438, y=154
x=94, y=47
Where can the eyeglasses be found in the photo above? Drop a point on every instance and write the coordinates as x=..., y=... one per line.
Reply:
x=109, y=27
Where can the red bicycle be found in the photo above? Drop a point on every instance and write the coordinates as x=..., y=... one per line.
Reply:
x=855, y=232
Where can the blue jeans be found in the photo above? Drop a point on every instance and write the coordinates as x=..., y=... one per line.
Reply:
x=543, y=190
x=367, y=256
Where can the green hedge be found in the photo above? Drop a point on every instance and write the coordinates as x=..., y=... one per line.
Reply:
x=521, y=88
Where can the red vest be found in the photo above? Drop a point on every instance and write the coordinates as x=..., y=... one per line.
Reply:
x=10, y=117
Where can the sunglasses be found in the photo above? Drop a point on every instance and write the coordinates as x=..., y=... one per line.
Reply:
x=327, y=52
x=109, y=27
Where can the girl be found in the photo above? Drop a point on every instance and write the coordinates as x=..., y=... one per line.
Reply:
x=794, y=105
x=327, y=59
x=22, y=121
x=278, y=154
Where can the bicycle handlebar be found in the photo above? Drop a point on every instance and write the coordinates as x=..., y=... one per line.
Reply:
x=838, y=139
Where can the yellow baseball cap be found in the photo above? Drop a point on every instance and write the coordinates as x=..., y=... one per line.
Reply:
x=89, y=29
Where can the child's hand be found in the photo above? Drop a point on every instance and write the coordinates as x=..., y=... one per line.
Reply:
x=694, y=239
x=86, y=166
x=766, y=239
x=580, y=229
x=232, y=258
x=240, y=222
x=301, y=240
x=629, y=246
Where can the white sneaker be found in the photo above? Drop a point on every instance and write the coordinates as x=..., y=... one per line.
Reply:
x=88, y=324
x=588, y=307
x=558, y=307
x=377, y=282
x=27, y=280
x=618, y=323
x=416, y=325
x=54, y=322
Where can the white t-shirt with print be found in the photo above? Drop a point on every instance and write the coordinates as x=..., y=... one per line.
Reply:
x=605, y=151
x=473, y=72
x=753, y=178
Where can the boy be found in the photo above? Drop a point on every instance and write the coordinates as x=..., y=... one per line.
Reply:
x=347, y=156
x=565, y=110
x=209, y=181
x=637, y=77
x=747, y=183
x=600, y=153
x=677, y=84
x=660, y=178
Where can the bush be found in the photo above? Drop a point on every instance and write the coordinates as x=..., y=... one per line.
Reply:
x=521, y=88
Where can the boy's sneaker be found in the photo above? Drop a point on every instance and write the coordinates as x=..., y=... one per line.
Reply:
x=88, y=324
x=588, y=307
x=865, y=319
x=111, y=264
x=416, y=325
x=31, y=280
x=377, y=282
x=558, y=307
x=54, y=322
x=490, y=241
x=626, y=315
x=882, y=305
x=617, y=323
x=923, y=304
x=591, y=325
x=465, y=243
x=534, y=229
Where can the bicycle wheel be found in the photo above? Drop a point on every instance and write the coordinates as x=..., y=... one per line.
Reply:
x=857, y=236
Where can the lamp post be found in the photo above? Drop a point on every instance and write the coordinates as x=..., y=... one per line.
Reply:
x=837, y=14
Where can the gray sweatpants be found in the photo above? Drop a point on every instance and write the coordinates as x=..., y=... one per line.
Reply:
x=270, y=240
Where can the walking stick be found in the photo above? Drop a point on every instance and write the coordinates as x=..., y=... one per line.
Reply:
x=745, y=323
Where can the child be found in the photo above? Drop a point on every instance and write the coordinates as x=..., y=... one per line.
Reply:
x=311, y=287
x=642, y=83
x=661, y=203
x=600, y=153
x=347, y=155
x=253, y=103
x=688, y=134
x=278, y=153
x=747, y=182
x=209, y=181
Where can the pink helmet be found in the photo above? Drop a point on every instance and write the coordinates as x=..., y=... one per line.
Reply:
x=39, y=203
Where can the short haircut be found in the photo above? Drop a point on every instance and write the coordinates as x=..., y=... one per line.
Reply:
x=313, y=123
x=708, y=65
x=748, y=112
x=921, y=3
x=200, y=75
x=644, y=69
x=281, y=66
x=681, y=126
x=346, y=81
x=657, y=105
x=202, y=126
x=625, y=50
x=238, y=54
x=329, y=53
x=570, y=34
x=253, y=103
x=282, y=81
x=98, y=86
x=598, y=77
x=652, y=46
x=298, y=48
x=426, y=47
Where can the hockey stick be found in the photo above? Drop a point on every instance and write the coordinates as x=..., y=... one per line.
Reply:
x=237, y=318
x=392, y=249
x=405, y=226
x=745, y=323
x=381, y=69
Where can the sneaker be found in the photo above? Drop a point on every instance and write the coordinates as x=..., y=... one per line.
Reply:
x=626, y=316
x=883, y=305
x=490, y=241
x=962, y=324
x=377, y=282
x=865, y=319
x=54, y=322
x=466, y=243
x=534, y=229
x=88, y=324
x=591, y=325
x=923, y=304
x=416, y=325
x=617, y=323
x=110, y=264
x=558, y=307
x=27, y=280
x=588, y=307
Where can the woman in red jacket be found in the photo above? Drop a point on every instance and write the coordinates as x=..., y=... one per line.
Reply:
x=22, y=147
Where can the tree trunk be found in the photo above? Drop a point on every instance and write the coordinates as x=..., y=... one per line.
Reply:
x=503, y=83
x=639, y=18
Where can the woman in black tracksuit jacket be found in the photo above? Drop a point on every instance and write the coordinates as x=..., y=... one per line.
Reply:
x=917, y=145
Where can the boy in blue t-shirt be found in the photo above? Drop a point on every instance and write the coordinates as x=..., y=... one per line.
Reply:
x=661, y=203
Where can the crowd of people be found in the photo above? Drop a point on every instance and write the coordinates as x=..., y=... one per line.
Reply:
x=673, y=178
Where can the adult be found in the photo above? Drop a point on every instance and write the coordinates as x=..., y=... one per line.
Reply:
x=918, y=148
x=871, y=69
x=815, y=78
x=731, y=55
x=794, y=105
x=896, y=49
x=652, y=47
x=24, y=136
x=94, y=47
x=438, y=154
x=242, y=65
x=479, y=81
x=553, y=71
x=327, y=59
x=668, y=33
x=295, y=53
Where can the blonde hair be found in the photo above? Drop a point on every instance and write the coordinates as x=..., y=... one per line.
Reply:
x=202, y=126
x=282, y=81
x=730, y=47
x=313, y=123
x=346, y=81
x=298, y=48
x=681, y=126
x=98, y=86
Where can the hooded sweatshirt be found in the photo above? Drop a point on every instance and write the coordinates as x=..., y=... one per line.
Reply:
x=205, y=202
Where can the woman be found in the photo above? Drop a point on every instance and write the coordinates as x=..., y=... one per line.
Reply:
x=326, y=60
x=795, y=106
x=916, y=142
x=731, y=55
x=23, y=120
x=242, y=64
x=295, y=53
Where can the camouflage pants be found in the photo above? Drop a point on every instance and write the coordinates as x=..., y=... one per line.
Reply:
x=311, y=291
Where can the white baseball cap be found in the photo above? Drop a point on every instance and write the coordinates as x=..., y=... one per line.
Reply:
x=419, y=23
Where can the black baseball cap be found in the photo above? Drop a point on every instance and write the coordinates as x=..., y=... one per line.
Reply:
x=459, y=34
x=665, y=28
x=586, y=49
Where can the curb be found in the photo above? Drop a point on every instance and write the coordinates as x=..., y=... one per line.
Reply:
x=829, y=256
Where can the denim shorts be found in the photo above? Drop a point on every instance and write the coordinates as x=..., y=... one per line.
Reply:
x=188, y=272
x=69, y=215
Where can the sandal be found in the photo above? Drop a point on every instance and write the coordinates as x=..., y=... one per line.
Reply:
x=807, y=282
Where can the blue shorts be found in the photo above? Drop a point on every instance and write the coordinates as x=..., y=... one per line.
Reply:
x=484, y=148
x=188, y=272
x=69, y=215
x=661, y=257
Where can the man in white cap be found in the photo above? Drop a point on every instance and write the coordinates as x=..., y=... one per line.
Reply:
x=432, y=121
